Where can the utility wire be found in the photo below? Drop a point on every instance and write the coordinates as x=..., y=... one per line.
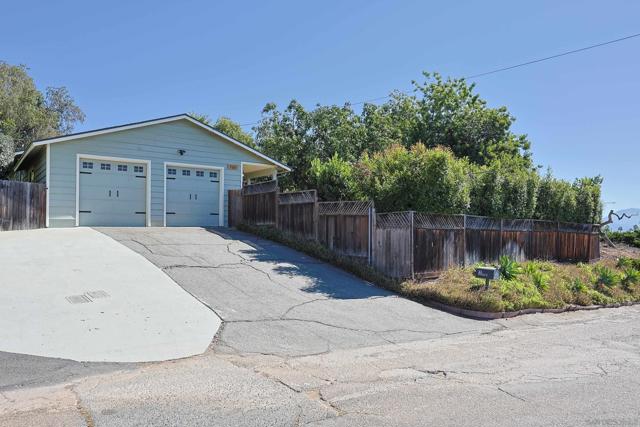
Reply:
x=499, y=70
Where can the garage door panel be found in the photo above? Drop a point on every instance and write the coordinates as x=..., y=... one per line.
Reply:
x=112, y=193
x=192, y=199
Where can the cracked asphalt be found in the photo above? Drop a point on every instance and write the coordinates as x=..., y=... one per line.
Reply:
x=303, y=343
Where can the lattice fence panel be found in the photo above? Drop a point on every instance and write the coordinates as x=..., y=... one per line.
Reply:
x=307, y=196
x=516, y=225
x=262, y=187
x=482, y=223
x=393, y=220
x=438, y=222
x=344, y=208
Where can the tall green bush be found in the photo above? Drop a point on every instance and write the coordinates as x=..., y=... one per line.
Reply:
x=334, y=179
x=421, y=179
x=505, y=188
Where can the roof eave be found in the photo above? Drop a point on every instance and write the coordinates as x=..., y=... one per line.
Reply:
x=149, y=123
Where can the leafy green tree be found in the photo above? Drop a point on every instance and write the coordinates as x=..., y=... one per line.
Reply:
x=26, y=114
x=62, y=109
x=334, y=179
x=588, y=200
x=234, y=130
x=226, y=126
x=451, y=115
x=7, y=150
x=505, y=188
x=440, y=113
x=556, y=200
x=421, y=179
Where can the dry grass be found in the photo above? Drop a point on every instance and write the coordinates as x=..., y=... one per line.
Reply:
x=537, y=284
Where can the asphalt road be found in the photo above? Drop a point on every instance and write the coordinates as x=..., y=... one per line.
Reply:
x=305, y=344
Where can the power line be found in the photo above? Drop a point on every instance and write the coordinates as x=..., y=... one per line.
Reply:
x=570, y=52
x=499, y=70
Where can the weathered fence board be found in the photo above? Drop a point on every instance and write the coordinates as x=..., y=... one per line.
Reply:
x=297, y=213
x=393, y=252
x=410, y=244
x=22, y=205
x=258, y=204
x=344, y=227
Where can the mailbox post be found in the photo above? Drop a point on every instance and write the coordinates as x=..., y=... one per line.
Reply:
x=487, y=273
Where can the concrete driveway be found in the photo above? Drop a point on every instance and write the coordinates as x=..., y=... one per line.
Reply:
x=77, y=294
x=274, y=300
x=339, y=353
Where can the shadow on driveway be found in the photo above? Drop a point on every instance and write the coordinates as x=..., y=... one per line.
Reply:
x=322, y=278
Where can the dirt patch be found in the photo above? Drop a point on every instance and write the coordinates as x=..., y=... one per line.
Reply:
x=621, y=250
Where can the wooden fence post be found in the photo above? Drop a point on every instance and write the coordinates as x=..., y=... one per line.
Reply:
x=558, y=241
x=500, y=245
x=529, y=255
x=589, y=243
x=411, y=246
x=277, y=207
x=316, y=215
x=464, y=240
x=372, y=231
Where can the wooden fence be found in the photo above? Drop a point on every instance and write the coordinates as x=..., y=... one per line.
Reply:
x=22, y=205
x=344, y=227
x=410, y=244
x=297, y=214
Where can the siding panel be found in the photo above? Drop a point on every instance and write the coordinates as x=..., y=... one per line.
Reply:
x=157, y=143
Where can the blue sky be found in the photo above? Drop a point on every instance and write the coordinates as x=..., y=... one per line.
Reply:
x=135, y=60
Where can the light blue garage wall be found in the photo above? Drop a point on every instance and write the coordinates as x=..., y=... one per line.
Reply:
x=157, y=143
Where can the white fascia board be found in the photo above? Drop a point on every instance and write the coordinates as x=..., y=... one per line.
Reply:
x=155, y=122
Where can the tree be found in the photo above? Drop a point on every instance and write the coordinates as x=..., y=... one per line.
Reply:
x=62, y=109
x=234, y=130
x=7, y=150
x=440, y=113
x=419, y=178
x=556, y=200
x=451, y=115
x=334, y=179
x=226, y=126
x=26, y=114
x=588, y=202
x=505, y=188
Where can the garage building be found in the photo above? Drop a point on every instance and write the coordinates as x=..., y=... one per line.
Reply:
x=172, y=171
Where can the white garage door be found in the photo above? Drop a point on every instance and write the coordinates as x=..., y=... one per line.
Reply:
x=193, y=197
x=112, y=193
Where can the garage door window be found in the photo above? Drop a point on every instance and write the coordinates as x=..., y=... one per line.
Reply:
x=105, y=166
x=122, y=168
x=213, y=174
x=138, y=169
x=87, y=165
x=186, y=172
x=171, y=171
x=199, y=173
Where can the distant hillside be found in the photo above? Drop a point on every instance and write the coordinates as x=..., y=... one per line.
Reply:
x=626, y=223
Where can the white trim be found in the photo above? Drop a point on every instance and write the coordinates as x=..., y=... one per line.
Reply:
x=114, y=159
x=149, y=123
x=221, y=210
x=47, y=184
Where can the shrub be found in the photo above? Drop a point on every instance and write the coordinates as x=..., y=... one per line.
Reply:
x=630, y=278
x=606, y=276
x=509, y=268
x=540, y=280
x=334, y=179
x=422, y=179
